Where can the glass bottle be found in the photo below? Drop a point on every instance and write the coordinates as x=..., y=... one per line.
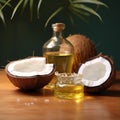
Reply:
x=58, y=50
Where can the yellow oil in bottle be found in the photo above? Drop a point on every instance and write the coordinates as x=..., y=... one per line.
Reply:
x=70, y=91
x=63, y=62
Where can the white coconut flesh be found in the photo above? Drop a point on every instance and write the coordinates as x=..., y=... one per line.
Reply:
x=95, y=72
x=30, y=67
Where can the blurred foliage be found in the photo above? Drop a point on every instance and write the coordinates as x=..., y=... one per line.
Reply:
x=79, y=8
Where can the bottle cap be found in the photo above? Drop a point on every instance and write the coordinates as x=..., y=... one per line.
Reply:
x=57, y=27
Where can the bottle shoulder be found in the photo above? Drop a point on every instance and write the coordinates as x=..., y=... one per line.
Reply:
x=52, y=42
x=58, y=44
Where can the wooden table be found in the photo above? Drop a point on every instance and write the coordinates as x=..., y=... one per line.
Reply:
x=42, y=105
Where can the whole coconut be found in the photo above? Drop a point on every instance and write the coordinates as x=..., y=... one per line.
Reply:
x=83, y=49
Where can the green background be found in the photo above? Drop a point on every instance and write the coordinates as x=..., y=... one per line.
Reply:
x=21, y=36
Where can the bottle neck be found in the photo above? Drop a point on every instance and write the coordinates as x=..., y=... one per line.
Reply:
x=57, y=34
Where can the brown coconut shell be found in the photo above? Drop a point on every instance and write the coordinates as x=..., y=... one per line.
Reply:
x=84, y=49
x=29, y=82
x=108, y=83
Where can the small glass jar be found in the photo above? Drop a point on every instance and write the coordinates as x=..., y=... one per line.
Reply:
x=58, y=50
x=69, y=86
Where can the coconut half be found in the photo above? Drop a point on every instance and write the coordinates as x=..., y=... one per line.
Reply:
x=30, y=67
x=30, y=73
x=98, y=73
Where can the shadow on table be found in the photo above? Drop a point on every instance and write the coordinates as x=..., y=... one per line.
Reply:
x=113, y=91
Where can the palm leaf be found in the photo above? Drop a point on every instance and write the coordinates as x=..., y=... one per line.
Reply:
x=16, y=8
x=6, y=3
x=87, y=9
x=2, y=15
x=80, y=11
x=25, y=4
x=77, y=13
x=97, y=2
x=31, y=8
x=3, y=1
x=38, y=7
x=54, y=14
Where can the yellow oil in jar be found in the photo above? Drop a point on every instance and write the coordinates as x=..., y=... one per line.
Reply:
x=63, y=62
x=69, y=91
